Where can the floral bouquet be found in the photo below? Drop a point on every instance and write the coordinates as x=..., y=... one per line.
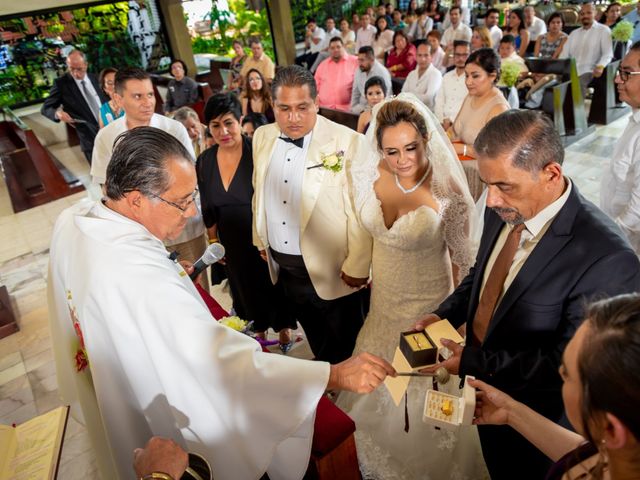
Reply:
x=622, y=32
x=510, y=73
x=239, y=325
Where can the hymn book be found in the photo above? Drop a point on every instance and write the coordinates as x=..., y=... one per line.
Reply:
x=31, y=451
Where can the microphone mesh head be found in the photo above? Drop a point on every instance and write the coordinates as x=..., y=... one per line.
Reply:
x=213, y=253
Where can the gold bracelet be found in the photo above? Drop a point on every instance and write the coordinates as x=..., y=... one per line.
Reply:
x=157, y=475
x=213, y=240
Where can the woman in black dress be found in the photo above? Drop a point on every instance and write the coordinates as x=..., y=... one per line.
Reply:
x=224, y=179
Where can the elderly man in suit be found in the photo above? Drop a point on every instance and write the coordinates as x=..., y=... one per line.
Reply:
x=545, y=250
x=304, y=222
x=75, y=99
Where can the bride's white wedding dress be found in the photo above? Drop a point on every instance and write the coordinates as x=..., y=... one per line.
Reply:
x=411, y=275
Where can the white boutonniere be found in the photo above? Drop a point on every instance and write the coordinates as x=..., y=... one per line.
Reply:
x=332, y=161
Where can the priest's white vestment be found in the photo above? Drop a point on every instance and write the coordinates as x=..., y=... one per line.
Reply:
x=161, y=365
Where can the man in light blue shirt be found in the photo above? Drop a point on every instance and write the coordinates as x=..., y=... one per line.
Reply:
x=634, y=18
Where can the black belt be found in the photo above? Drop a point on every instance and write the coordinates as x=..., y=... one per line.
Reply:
x=293, y=264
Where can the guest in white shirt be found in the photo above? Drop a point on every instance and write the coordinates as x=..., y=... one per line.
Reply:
x=491, y=22
x=590, y=45
x=457, y=30
x=383, y=39
x=331, y=32
x=438, y=57
x=454, y=89
x=313, y=43
x=535, y=25
x=421, y=28
x=620, y=189
x=366, y=32
x=348, y=37
x=425, y=80
x=368, y=67
x=464, y=12
x=508, y=53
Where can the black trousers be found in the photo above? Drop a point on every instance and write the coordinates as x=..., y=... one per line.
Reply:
x=306, y=60
x=332, y=326
x=506, y=452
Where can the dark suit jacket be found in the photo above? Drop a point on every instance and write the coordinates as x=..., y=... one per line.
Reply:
x=65, y=92
x=582, y=256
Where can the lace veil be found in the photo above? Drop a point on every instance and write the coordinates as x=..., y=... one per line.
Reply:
x=448, y=184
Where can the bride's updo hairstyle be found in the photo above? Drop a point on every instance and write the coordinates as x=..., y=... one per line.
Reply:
x=396, y=111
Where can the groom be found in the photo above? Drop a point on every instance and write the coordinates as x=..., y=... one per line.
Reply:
x=305, y=225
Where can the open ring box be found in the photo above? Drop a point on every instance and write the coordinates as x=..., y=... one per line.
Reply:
x=421, y=348
x=448, y=411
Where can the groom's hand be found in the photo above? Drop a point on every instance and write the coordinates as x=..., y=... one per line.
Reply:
x=359, y=374
x=353, y=282
x=427, y=320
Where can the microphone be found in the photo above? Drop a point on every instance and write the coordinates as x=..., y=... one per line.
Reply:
x=211, y=255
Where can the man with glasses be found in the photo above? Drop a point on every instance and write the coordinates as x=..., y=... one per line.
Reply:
x=620, y=189
x=158, y=363
x=75, y=99
x=454, y=90
x=134, y=92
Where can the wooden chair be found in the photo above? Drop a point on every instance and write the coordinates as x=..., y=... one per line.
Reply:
x=347, y=119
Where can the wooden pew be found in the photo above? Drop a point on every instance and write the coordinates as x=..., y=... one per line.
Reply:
x=216, y=81
x=563, y=102
x=32, y=176
x=347, y=119
x=605, y=103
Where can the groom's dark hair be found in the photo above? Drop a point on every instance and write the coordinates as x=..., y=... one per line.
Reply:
x=294, y=76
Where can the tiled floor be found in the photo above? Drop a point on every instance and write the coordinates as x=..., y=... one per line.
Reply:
x=27, y=374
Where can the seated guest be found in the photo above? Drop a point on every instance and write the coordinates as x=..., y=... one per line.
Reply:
x=535, y=25
x=599, y=389
x=590, y=45
x=454, y=89
x=425, y=80
x=483, y=102
x=612, y=15
x=398, y=22
x=465, y=14
x=422, y=26
x=457, y=30
x=620, y=188
x=334, y=77
x=491, y=21
x=382, y=40
x=507, y=51
x=188, y=117
x=182, y=90
x=382, y=12
x=257, y=96
x=435, y=13
x=550, y=44
x=348, y=37
x=331, y=31
x=251, y=122
x=438, y=57
x=481, y=38
x=110, y=110
x=402, y=58
x=365, y=34
x=234, y=81
x=375, y=92
x=368, y=67
x=410, y=19
x=518, y=29
x=258, y=60
x=314, y=35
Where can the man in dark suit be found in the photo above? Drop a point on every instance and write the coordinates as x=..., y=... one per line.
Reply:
x=75, y=99
x=545, y=250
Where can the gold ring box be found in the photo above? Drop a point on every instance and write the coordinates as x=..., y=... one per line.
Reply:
x=448, y=411
x=421, y=348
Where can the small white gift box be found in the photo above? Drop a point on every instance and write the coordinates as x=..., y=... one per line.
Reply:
x=448, y=411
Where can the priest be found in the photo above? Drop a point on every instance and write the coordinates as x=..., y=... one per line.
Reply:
x=138, y=352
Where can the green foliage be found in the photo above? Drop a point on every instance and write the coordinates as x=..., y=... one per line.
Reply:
x=510, y=73
x=622, y=32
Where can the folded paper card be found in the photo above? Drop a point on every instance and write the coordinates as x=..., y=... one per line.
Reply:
x=398, y=385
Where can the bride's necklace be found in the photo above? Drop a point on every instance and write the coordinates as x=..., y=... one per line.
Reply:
x=415, y=187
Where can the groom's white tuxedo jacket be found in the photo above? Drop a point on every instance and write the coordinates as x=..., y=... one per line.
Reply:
x=331, y=237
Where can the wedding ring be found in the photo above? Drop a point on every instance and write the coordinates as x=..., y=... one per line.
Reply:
x=417, y=342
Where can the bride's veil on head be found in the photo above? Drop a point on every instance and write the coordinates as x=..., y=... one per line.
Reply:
x=448, y=185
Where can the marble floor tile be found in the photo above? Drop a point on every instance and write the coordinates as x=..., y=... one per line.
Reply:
x=10, y=360
x=11, y=373
x=20, y=415
x=14, y=395
x=81, y=467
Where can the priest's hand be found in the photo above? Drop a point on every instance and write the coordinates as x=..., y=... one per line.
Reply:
x=160, y=455
x=427, y=320
x=359, y=374
x=353, y=282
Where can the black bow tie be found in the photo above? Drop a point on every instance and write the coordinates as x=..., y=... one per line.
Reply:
x=299, y=142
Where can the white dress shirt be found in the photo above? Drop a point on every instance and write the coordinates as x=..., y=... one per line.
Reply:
x=425, y=86
x=450, y=96
x=590, y=47
x=318, y=34
x=537, y=28
x=535, y=228
x=437, y=60
x=327, y=38
x=465, y=17
x=496, y=35
x=419, y=30
x=358, y=98
x=620, y=189
x=92, y=92
x=461, y=32
x=364, y=37
x=283, y=196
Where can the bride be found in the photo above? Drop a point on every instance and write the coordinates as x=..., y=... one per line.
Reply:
x=415, y=203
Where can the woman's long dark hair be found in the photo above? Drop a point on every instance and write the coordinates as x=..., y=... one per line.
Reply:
x=263, y=93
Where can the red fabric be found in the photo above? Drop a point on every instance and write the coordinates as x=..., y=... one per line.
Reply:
x=214, y=307
x=406, y=58
x=332, y=427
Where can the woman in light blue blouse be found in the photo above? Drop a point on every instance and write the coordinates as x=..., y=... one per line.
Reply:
x=109, y=111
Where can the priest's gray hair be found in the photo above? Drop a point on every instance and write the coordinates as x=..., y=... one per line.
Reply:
x=528, y=137
x=139, y=162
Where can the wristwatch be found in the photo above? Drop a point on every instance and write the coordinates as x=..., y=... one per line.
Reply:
x=157, y=475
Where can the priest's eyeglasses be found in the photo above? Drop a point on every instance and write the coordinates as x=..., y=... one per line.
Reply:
x=183, y=206
x=624, y=74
